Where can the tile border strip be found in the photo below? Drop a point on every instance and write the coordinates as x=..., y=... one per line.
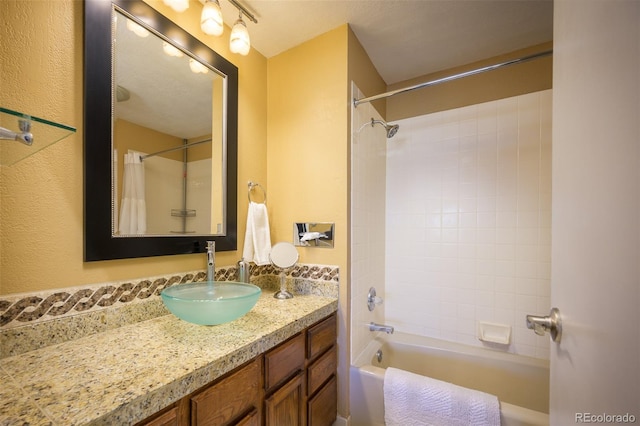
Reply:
x=31, y=308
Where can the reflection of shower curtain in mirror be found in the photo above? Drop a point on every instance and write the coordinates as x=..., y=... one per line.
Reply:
x=133, y=210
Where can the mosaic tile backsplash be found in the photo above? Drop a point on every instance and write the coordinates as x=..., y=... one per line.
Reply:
x=31, y=321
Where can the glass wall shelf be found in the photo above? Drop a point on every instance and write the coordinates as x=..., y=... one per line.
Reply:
x=44, y=133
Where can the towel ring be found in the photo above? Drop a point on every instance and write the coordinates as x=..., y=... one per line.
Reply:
x=252, y=185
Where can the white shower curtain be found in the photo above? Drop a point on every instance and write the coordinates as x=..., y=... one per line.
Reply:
x=133, y=210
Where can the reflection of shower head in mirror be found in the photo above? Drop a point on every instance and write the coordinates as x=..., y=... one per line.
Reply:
x=283, y=255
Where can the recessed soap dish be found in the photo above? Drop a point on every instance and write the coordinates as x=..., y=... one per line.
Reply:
x=494, y=333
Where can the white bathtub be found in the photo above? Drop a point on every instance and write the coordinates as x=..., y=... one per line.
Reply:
x=520, y=383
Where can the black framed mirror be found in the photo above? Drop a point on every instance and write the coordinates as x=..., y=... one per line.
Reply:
x=102, y=240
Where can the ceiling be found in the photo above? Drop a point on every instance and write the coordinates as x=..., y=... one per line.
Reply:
x=403, y=38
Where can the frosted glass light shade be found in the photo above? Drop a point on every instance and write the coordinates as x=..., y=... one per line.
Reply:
x=211, y=18
x=197, y=67
x=239, y=41
x=137, y=29
x=171, y=50
x=177, y=5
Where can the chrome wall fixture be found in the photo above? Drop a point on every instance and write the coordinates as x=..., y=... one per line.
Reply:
x=551, y=324
x=211, y=22
x=373, y=300
x=314, y=234
x=24, y=135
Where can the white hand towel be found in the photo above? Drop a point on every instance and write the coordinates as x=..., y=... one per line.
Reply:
x=257, y=239
x=412, y=399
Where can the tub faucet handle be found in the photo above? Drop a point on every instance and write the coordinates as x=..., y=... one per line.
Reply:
x=541, y=325
x=372, y=299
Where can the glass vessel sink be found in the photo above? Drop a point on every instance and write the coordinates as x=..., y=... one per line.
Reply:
x=210, y=303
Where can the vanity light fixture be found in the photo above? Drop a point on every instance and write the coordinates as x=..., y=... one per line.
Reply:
x=211, y=18
x=177, y=5
x=171, y=50
x=197, y=67
x=239, y=41
x=137, y=29
x=211, y=23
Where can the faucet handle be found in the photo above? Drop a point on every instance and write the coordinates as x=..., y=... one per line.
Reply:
x=372, y=299
x=211, y=246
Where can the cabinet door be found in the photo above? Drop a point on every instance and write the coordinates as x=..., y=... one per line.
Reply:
x=170, y=418
x=321, y=370
x=283, y=362
x=227, y=401
x=323, y=407
x=251, y=419
x=321, y=337
x=286, y=405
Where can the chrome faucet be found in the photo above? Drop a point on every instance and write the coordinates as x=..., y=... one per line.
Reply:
x=380, y=327
x=211, y=260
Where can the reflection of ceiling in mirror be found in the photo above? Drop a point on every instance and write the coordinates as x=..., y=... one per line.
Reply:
x=165, y=94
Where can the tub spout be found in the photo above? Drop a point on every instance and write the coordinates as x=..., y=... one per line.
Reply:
x=380, y=327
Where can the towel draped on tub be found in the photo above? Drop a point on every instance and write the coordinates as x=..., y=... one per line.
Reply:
x=412, y=399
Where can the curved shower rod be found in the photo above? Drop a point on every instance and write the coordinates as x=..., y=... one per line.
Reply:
x=357, y=102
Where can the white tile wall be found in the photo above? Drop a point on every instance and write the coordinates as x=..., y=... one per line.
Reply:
x=368, y=164
x=468, y=220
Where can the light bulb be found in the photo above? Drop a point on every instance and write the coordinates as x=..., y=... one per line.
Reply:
x=171, y=50
x=239, y=41
x=211, y=18
x=177, y=5
x=137, y=29
x=197, y=67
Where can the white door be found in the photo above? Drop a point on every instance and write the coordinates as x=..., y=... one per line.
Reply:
x=595, y=370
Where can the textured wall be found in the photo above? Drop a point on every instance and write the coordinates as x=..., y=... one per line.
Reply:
x=41, y=198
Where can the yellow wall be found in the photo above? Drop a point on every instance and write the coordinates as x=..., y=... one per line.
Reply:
x=41, y=197
x=307, y=142
x=364, y=74
x=307, y=157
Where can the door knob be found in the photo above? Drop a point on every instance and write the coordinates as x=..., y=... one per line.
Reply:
x=551, y=324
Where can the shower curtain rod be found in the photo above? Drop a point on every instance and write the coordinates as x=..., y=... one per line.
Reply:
x=357, y=102
x=189, y=145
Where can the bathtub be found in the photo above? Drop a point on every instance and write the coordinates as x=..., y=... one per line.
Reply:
x=520, y=383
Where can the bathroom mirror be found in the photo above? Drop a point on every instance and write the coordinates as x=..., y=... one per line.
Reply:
x=187, y=151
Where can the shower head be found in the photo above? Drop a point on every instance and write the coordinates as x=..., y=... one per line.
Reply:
x=391, y=129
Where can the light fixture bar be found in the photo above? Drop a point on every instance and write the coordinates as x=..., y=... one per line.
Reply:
x=244, y=11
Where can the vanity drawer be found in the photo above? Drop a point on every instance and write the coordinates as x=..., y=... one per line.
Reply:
x=225, y=401
x=283, y=361
x=322, y=409
x=321, y=370
x=321, y=337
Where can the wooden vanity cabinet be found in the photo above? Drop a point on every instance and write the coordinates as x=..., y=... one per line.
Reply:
x=322, y=363
x=230, y=400
x=293, y=384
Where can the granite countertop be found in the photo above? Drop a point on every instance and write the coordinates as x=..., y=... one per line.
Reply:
x=124, y=375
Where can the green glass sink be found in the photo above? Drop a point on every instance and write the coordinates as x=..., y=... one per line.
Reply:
x=210, y=303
